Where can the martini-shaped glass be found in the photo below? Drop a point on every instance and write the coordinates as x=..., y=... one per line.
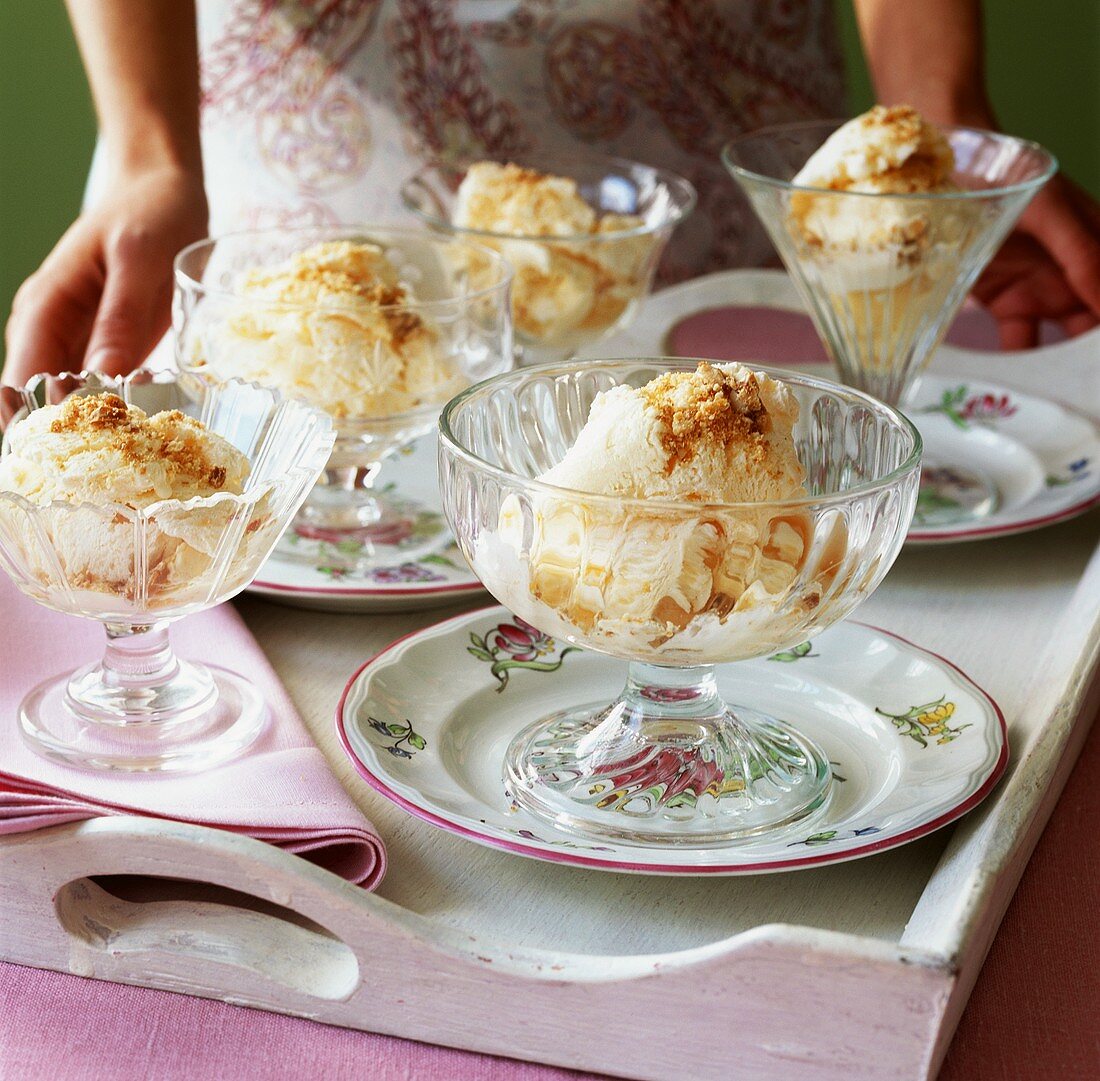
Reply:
x=883, y=275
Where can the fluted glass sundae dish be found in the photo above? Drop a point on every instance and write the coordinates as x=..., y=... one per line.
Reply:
x=583, y=235
x=377, y=327
x=675, y=514
x=136, y=503
x=884, y=223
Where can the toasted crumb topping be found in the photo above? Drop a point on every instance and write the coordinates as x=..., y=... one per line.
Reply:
x=927, y=168
x=344, y=273
x=514, y=198
x=708, y=406
x=170, y=438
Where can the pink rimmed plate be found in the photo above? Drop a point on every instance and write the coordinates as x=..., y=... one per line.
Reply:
x=914, y=742
x=998, y=461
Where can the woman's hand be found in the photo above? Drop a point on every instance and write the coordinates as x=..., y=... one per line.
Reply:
x=102, y=298
x=1049, y=268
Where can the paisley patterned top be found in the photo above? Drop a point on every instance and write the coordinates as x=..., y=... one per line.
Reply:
x=316, y=110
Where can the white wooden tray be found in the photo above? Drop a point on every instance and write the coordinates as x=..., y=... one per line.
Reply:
x=857, y=971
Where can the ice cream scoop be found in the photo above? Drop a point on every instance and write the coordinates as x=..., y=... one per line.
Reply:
x=97, y=452
x=719, y=437
x=875, y=243
x=575, y=284
x=97, y=449
x=332, y=324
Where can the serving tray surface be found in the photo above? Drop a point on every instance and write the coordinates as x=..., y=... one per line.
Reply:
x=793, y=976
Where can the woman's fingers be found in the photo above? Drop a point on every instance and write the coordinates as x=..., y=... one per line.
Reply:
x=1064, y=220
x=1018, y=333
x=53, y=312
x=102, y=298
x=133, y=311
x=1079, y=323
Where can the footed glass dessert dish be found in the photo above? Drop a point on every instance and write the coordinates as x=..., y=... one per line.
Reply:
x=883, y=272
x=584, y=236
x=137, y=518
x=671, y=586
x=379, y=328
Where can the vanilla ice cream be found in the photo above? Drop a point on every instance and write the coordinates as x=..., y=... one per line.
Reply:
x=92, y=459
x=887, y=151
x=575, y=275
x=879, y=254
x=333, y=325
x=666, y=579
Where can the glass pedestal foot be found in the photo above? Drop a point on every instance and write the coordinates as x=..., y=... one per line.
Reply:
x=207, y=716
x=667, y=764
x=386, y=530
x=953, y=495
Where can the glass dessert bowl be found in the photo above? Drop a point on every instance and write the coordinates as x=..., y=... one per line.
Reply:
x=583, y=235
x=378, y=327
x=135, y=503
x=531, y=464
x=884, y=223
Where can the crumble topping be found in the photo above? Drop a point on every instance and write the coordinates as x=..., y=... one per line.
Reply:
x=708, y=407
x=170, y=438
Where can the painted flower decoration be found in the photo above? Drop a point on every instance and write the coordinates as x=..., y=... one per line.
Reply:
x=354, y=539
x=516, y=645
x=669, y=777
x=329, y=536
x=406, y=741
x=944, y=476
x=405, y=572
x=987, y=407
x=927, y=721
x=669, y=695
x=522, y=641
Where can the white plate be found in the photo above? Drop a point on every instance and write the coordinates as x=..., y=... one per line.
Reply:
x=426, y=723
x=398, y=583
x=1039, y=461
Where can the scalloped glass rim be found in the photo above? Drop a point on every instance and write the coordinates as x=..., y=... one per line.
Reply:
x=681, y=209
x=249, y=497
x=361, y=232
x=938, y=197
x=786, y=375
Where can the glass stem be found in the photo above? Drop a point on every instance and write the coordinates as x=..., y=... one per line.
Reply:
x=660, y=691
x=138, y=656
x=655, y=698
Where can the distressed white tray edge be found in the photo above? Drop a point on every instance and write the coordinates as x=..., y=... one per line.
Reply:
x=392, y=971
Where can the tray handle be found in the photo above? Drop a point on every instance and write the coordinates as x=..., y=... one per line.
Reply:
x=129, y=921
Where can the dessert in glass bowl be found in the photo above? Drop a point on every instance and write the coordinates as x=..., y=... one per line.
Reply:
x=584, y=239
x=378, y=327
x=134, y=503
x=884, y=223
x=675, y=514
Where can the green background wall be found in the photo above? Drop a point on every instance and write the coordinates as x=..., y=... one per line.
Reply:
x=1044, y=60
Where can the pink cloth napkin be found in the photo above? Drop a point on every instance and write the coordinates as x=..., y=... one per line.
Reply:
x=281, y=791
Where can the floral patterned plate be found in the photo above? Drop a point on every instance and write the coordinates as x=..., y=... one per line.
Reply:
x=914, y=743
x=998, y=461
x=407, y=577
